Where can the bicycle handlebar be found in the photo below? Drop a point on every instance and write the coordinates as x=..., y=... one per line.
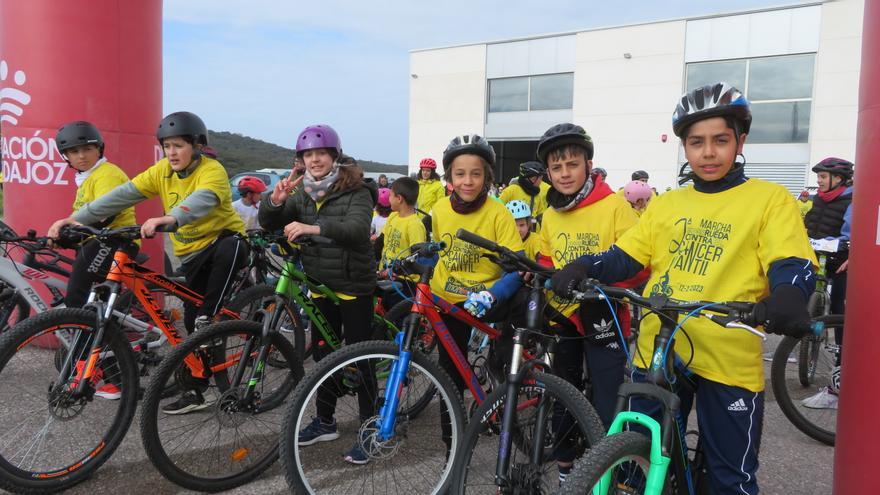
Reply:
x=522, y=262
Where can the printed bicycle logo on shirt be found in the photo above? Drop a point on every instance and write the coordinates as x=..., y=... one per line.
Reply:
x=699, y=247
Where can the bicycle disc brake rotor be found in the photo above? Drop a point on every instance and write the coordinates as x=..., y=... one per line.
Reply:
x=63, y=405
x=525, y=479
x=231, y=411
x=376, y=448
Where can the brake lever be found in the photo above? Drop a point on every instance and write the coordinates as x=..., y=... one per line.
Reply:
x=733, y=321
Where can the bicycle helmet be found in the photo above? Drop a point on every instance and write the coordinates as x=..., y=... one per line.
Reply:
x=531, y=169
x=468, y=144
x=186, y=124
x=316, y=137
x=428, y=163
x=713, y=100
x=601, y=171
x=640, y=174
x=251, y=184
x=835, y=166
x=519, y=209
x=636, y=190
x=804, y=194
x=384, y=198
x=562, y=134
x=78, y=133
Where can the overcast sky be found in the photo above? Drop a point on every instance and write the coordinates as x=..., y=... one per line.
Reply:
x=267, y=69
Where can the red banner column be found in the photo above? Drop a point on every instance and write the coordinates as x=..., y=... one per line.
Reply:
x=95, y=60
x=858, y=431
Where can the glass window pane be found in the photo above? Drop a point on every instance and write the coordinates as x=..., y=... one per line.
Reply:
x=777, y=78
x=780, y=122
x=552, y=92
x=732, y=72
x=509, y=95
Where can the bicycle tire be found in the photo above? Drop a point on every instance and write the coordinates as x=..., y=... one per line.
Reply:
x=13, y=310
x=19, y=365
x=474, y=470
x=187, y=467
x=405, y=459
x=809, y=347
x=627, y=450
x=819, y=424
x=262, y=296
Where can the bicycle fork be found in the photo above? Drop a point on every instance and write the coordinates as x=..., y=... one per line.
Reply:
x=394, y=386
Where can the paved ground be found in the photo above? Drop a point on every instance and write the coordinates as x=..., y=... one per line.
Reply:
x=790, y=463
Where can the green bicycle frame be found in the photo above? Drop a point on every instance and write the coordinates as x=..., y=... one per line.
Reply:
x=659, y=462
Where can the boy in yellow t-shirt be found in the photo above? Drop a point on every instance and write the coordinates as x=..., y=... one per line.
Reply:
x=403, y=229
x=82, y=147
x=522, y=215
x=726, y=238
x=530, y=188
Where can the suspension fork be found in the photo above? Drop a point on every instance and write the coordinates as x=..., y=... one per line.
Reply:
x=103, y=311
x=394, y=385
x=270, y=321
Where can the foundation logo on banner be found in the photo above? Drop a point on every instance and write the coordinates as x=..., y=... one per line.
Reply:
x=12, y=98
x=29, y=156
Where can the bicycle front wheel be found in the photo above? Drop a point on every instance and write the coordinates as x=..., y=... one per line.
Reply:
x=545, y=404
x=51, y=437
x=625, y=456
x=799, y=401
x=346, y=390
x=211, y=437
x=289, y=324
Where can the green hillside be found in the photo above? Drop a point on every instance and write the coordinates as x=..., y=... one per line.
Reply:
x=242, y=153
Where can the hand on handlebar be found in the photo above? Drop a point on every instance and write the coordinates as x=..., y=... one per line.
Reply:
x=478, y=303
x=296, y=229
x=783, y=312
x=565, y=281
x=55, y=230
x=151, y=226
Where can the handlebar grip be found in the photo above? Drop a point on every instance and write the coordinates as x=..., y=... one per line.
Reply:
x=427, y=248
x=168, y=227
x=811, y=327
x=476, y=240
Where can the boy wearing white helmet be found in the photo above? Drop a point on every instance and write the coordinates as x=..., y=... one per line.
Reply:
x=522, y=214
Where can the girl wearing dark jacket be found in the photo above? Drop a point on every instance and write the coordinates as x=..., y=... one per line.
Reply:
x=332, y=202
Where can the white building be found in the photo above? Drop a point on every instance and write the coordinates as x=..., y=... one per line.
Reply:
x=797, y=64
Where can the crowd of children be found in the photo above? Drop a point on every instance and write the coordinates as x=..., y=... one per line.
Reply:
x=558, y=211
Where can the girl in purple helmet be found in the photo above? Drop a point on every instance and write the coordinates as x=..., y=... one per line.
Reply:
x=332, y=202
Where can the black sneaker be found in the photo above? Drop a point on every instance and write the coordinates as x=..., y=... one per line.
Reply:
x=201, y=322
x=187, y=403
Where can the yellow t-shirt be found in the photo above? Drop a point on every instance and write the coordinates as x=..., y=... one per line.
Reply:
x=515, y=191
x=592, y=229
x=716, y=247
x=400, y=233
x=160, y=180
x=805, y=206
x=102, y=180
x=532, y=245
x=461, y=268
x=430, y=191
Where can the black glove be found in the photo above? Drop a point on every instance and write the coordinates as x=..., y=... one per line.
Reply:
x=566, y=280
x=784, y=312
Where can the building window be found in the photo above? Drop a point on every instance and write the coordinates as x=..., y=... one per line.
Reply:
x=520, y=94
x=779, y=88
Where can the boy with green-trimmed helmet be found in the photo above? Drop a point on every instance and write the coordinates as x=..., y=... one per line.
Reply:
x=726, y=238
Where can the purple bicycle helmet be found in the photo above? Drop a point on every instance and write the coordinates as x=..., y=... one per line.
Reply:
x=318, y=136
x=384, y=197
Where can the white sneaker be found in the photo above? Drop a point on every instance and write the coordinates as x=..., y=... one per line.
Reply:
x=824, y=399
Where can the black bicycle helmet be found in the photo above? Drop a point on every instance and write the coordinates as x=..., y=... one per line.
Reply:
x=561, y=135
x=183, y=124
x=78, y=133
x=601, y=171
x=713, y=100
x=471, y=144
x=836, y=166
x=639, y=175
x=531, y=169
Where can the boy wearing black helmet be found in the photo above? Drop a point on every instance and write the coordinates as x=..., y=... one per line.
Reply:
x=530, y=188
x=726, y=238
x=197, y=199
x=831, y=218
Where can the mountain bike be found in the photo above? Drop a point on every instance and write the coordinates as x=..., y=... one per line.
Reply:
x=534, y=420
x=73, y=377
x=630, y=462
x=414, y=452
x=236, y=438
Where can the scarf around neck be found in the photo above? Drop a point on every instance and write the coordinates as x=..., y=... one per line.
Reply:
x=527, y=186
x=831, y=195
x=463, y=207
x=565, y=202
x=318, y=189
